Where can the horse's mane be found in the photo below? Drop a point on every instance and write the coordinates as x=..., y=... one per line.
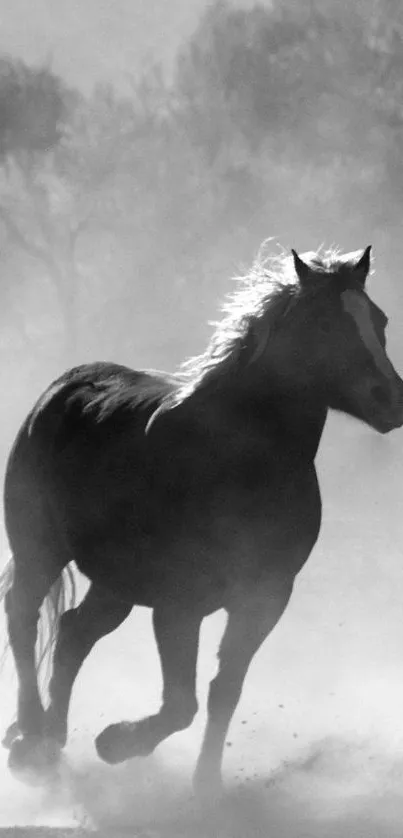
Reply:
x=262, y=298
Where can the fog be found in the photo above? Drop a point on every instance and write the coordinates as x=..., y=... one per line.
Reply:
x=124, y=212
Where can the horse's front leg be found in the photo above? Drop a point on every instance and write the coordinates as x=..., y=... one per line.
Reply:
x=248, y=625
x=177, y=634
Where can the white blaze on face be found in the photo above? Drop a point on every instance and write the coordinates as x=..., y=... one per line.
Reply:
x=358, y=308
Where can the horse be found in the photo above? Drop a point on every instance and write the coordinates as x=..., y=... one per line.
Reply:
x=186, y=493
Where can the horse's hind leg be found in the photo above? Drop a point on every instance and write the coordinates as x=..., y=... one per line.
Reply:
x=80, y=628
x=177, y=637
x=22, y=604
x=247, y=627
x=31, y=583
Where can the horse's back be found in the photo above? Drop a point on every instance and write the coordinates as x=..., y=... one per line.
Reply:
x=92, y=394
x=90, y=414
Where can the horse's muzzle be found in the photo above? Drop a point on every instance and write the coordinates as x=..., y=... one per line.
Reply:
x=388, y=413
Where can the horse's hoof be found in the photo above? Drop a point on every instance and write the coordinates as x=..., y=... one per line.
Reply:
x=113, y=743
x=12, y=733
x=125, y=740
x=33, y=759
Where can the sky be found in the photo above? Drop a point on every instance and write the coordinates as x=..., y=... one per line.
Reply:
x=97, y=40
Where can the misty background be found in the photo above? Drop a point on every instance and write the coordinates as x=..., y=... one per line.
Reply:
x=145, y=153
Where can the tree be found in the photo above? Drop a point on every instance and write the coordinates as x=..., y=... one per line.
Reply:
x=32, y=109
x=33, y=112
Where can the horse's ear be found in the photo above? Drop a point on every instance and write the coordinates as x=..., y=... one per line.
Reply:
x=301, y=269
x=361, y=268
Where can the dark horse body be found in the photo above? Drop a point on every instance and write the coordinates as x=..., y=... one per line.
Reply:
x=187, y=494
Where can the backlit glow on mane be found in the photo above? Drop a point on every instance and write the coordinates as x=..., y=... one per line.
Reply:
x=267, y=293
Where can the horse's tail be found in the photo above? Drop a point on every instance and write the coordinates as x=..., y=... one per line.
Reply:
x=61, y=597
x=6, y=581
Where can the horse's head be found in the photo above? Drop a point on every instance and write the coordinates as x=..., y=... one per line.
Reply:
x=346, y=339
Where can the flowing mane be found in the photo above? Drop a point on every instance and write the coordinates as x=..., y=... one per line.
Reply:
x=267, y=293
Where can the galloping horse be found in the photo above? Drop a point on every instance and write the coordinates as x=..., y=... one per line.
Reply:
x=187, y=493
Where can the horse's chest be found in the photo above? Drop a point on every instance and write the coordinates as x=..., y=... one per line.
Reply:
x=276, y=524
x=243, y=532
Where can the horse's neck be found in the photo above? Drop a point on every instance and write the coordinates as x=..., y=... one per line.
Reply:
x=292, y=402
x=292, y=419
x=300, y=421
